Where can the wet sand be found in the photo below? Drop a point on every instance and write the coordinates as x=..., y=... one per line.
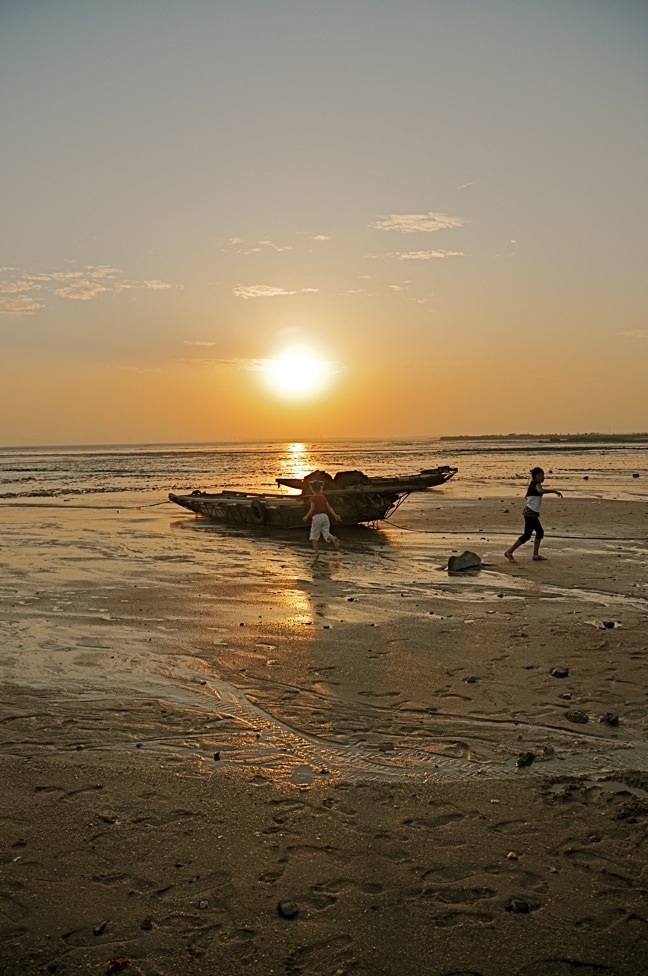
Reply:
x=217, y=757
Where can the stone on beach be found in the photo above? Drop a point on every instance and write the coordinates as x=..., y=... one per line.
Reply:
x=559, y=672
x=467, y=560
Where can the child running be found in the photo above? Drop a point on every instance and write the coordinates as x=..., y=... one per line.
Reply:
x=319, y=512
x=531, y=514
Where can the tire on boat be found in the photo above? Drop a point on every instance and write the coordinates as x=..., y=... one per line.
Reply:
x=258, y=513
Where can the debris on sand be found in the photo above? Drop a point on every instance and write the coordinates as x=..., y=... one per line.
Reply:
x=559, y=672
x=574, y=715
x=524, y=759
x=467, y=560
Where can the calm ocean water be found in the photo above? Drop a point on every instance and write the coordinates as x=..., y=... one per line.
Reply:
x=605, y=469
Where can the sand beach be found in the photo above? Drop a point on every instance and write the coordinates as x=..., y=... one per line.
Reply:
x=218, y=758
x=248, y=242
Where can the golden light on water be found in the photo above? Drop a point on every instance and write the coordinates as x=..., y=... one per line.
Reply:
x=296, y=461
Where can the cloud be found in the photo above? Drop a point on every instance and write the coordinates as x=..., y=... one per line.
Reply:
x=227, y=364
x=275, y=247
x=237, y=244
x=103, y=271
x=14, y=287
x=425, y=255
x=405, y=287
x=81, y=286
x=418, y=223
x=198, y=342
x=81, y=291
x=261, y=291
x=634, y=334
x=54, y=276
x=149, y=284
x=19, y=305
x=322, y=237
x=154, y=285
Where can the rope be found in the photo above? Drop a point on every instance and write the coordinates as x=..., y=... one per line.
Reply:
x=120, y=508
x=40, y=503
x=578, y=538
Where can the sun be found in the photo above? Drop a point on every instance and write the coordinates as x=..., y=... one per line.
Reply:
x=298, y=375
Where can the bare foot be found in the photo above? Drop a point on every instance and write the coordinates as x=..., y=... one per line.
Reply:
x=540, y=558
x=509, y=556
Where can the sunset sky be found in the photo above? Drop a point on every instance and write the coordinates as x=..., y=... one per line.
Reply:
x=438, y=208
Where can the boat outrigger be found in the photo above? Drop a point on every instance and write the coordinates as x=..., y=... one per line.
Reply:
x=355, y=497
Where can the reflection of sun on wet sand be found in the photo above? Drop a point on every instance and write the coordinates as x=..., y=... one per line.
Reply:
x=216, y=757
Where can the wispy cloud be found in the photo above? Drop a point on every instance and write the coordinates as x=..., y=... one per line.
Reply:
x=261, y=291
x=308, y=237
x=238, y=245
x=424, y=255
x=103, y=271
x=634, y=334
x=81, y=286
x=226, y=364
x=418, y=223
x=19, y=305
x=81, y=291
x=275, y=247
x=146, y=285
x=54, y=276
x=16, y=287
x=199, y=342
x=267, y=291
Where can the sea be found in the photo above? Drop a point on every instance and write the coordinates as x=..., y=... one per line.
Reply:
x=613, y=467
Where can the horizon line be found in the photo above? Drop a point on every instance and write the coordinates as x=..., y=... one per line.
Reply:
x=330, y=440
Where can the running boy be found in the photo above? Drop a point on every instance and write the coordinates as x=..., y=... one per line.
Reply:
x=531, y=514
x=319, y=512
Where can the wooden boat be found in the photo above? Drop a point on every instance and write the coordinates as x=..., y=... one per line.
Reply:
x=428, y=478
x=365, y=500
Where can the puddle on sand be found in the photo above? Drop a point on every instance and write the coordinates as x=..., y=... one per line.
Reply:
x=613, y=786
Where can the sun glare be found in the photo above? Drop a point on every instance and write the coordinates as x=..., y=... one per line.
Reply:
x=298, y=375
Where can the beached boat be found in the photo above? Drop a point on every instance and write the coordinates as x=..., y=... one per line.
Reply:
x=354, y=496
x=428, y=478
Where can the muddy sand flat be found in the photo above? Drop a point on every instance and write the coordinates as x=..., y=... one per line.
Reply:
x=216, y=757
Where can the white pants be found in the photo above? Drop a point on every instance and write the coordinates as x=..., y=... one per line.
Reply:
x=320, y=525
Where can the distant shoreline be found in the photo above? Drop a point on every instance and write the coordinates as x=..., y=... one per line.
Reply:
x=554, y=438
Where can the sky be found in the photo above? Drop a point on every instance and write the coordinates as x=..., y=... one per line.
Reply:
x=254, y=220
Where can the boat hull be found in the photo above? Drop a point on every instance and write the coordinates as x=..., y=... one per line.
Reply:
x=370, y=501
x=285, y=512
